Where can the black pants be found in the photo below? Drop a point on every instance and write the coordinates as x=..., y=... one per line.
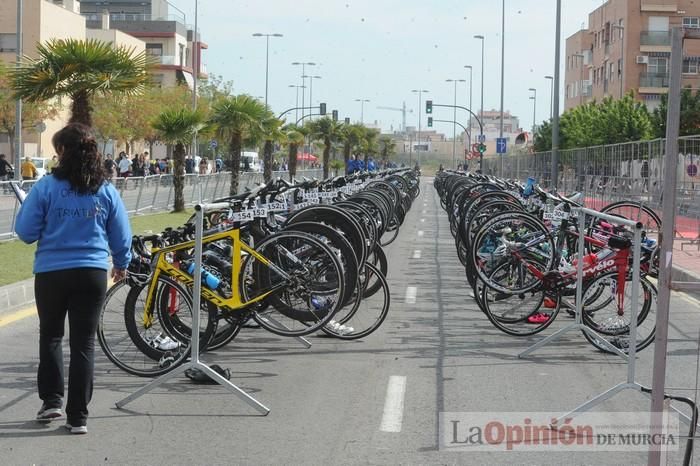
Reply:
x=80, y=293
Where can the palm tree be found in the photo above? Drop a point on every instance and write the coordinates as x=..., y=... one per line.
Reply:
x=238, y=119
x=272, y=128
x=369, y=144
x=387, y=148
x=351, y=137
x=294, y=137
x=178, y=127
x=327, y=131
x=80, y=69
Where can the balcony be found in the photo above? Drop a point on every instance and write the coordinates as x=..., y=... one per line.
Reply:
x=653, y=81
x=655, y=41
x=134, y=17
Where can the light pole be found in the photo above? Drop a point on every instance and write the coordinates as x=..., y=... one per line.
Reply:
x=551, y=97
x=18, y=107
x=296, y=105
x=311, y=91
x=362, y=109
x=420, y=116
x=534, y=110
x=503, y=65
x=470, y=68
x=622, y=57
x=482, y=39
x=555, y=120
x=454, y=122
x=267, y=57
x=195, y=74
x=303, y=81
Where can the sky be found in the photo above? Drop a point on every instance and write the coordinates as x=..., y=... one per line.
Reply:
x=380, y=50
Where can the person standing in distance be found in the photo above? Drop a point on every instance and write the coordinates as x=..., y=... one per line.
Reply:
x=78, y=219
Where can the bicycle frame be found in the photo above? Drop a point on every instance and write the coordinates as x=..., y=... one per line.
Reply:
x=163, y=267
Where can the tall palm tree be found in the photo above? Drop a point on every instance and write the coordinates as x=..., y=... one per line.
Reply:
x=238, y=119
x=369, y=144
x=351, y=138
x=80, y=69
x=294, y=137
x=272, y=129
x=387, y=148
x=178, y=127
x=327, y=131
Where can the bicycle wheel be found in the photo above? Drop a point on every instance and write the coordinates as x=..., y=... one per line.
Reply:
x=305, y=279
x=604, y=314
x=517, y=239
x=364, y=314
x=136, y=347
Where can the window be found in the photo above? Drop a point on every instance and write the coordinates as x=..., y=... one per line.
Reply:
x=690, y=67
x=691, y=22
x=621, y=30
x=154, y=49
x=8, y=42
x=658, y=65
x=658, y=23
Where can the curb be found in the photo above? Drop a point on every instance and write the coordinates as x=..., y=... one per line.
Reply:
x=16, y=295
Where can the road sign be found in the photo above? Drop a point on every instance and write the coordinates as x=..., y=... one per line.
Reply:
x=482, y=138
x=501, y=145
x=213, y=144
x=40, y=127
x=692, y=170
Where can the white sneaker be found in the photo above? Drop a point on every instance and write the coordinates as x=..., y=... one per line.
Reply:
x=78, y=430
x=164, y=343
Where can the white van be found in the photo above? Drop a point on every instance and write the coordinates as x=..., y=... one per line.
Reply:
x=250, y=161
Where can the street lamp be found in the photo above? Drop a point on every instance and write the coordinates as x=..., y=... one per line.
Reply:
x=267, y=57
x=503, y=66
x=311, y=91
x=551, y=98
x=454, y=122
x=18, y=107
x=555, y=120
x=303, y=81
x=534, y=110
x=296, y=105
x=420, y=116
x=362, y=109
x=622, y=56
x=481, y=113
x=470, y=68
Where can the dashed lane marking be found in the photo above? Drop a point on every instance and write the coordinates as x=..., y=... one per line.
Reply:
x=411, y=293
x=392, y=418
x=416, y=254
x=420, y=233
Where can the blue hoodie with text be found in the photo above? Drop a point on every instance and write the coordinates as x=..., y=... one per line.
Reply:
x=74, y=230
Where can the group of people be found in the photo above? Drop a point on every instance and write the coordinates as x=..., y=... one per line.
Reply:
x=358, y=165
x=138, y=165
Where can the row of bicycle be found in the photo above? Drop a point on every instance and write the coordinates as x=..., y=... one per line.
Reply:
x=519, y=246
x=292, y=258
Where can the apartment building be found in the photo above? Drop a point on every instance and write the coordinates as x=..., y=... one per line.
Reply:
x=627, y=47
x=164, y=30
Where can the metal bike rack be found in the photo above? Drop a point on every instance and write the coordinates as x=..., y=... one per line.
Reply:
x=578, y=322
x=195, y=362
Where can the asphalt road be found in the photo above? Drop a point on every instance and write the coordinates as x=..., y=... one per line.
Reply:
x=374, y=401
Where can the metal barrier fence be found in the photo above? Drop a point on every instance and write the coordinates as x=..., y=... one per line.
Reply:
x=142, y=195
x=629, y=171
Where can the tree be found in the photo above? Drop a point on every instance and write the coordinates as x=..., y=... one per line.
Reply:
x=351, y=136
x=387, y=148
x=294, y=137
x=237, y=119
x=32, y=112
x=325, y=130
x=369, y=146
x=690, y=114
x=80, y=69
x=127, y=118
x=178, y=127
x=272, y=129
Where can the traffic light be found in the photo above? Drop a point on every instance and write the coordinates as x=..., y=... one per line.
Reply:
x=322, y=109
x=428, y=106
x=347, y=120
x=430, y=122
x=482, y=148
x=335, y=115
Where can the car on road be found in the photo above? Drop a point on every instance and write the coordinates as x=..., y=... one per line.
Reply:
x=40, y=163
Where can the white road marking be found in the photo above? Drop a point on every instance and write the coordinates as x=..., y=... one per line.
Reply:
x=689, y=299
x=422, y=220
x=420, y=233
x=393, y=405
x=416, y=254
x=425, y=212
x=411, y=292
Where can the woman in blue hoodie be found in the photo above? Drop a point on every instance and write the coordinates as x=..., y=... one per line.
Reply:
x=78, y=219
